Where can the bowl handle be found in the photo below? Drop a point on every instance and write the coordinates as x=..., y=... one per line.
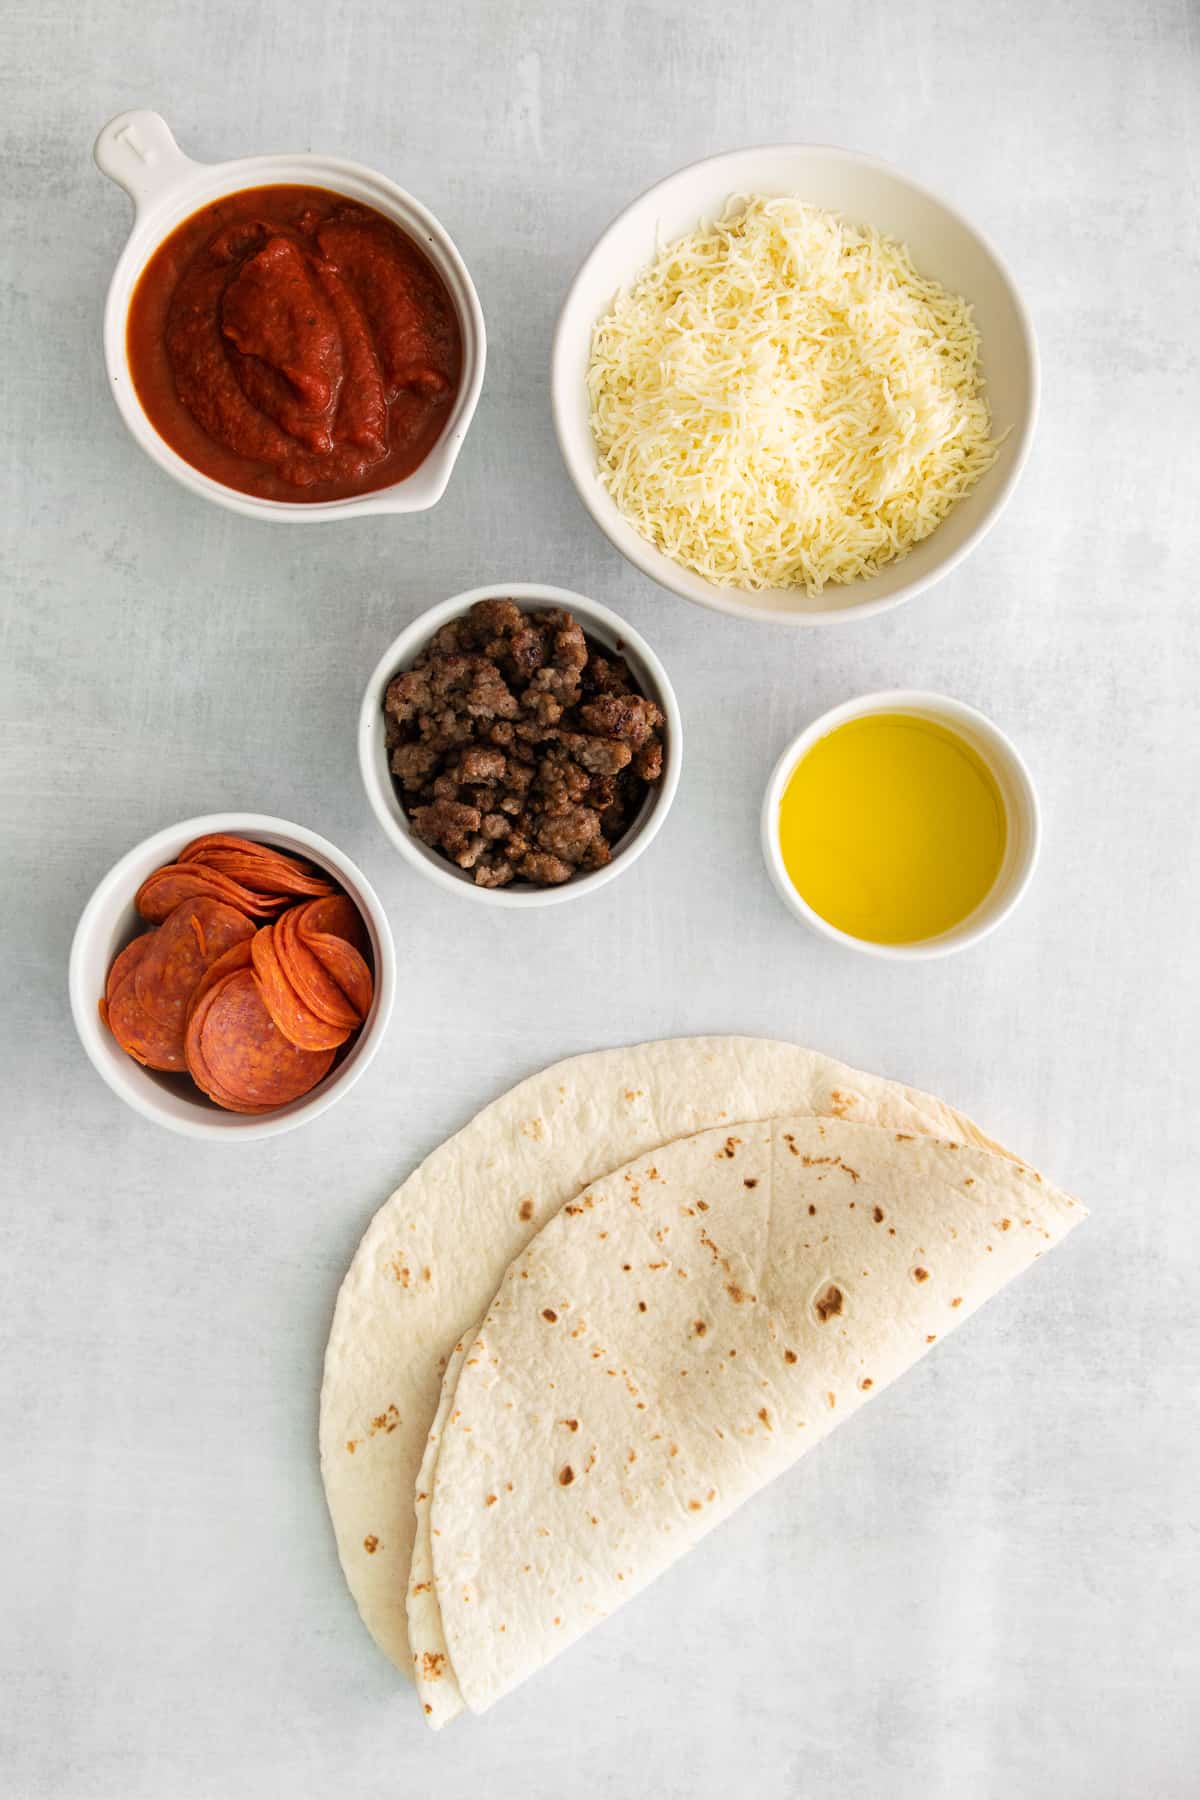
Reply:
x=137, y=151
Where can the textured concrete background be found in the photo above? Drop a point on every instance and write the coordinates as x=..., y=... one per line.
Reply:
x=984, y=1587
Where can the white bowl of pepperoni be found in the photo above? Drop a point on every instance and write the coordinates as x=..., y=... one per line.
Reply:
x=232, y=976
x=294, y=337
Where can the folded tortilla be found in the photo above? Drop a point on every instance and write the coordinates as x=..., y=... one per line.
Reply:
x=671, y=1340
x=435, y=1253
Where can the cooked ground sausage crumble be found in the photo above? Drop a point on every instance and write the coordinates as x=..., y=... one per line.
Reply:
x=520, y=750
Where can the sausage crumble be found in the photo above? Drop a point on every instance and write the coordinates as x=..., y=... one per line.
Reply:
x=520, y=750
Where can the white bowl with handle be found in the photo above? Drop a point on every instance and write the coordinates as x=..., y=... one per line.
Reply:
x=943, y=246
x=138, y=152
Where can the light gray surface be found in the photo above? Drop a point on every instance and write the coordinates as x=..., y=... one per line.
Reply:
x=984, y=1587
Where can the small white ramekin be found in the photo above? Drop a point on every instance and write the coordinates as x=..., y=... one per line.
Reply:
x=109, y=921
x=607, y=629
x=1016, y=789
x=137, y=151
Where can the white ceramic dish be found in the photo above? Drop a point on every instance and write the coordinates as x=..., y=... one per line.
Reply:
x=137, y=151
x=1016, y=788
x=607, y=629
x=109, y=921
x=943, y=245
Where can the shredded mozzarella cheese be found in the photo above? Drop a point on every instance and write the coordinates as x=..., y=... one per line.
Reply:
x=781, y=400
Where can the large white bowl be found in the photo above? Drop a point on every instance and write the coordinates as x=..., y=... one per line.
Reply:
x=607, y=629
x=109, y=921
x=943, y=245
x=1017, y=791
x=137, y=151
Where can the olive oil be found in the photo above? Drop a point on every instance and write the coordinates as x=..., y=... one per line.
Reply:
x=892, y=828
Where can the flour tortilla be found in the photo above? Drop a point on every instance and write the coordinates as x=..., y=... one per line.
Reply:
x=679, y=1335
x=435, y=1253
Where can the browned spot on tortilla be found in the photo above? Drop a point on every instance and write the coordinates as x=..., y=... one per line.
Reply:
x=729, y=1148
x=400, y=1272
x=829, y=1304
x=957, y=1301
x=385, y=1421
x=970, y=1181
x=571, y=1424
x=532, y=1128
x=566, y=1475
x=573, y=1210
x=751, y=1181
x=699, y=1327
x=695, y=1506
x=789, y=1356
x=738, y=1294
x=428, y=1708
x=813, y=1162
x=421, y=1587
x=673, y=1449
x=525, y=1210
x=812, y=1211
x=904, y=1137
x=371, y=1544
x=831, y=1398
x=433, y=1663
x=490, y=1500
x=839, y=1103
x=652, y=1174
x=920, y=1274
x=1005, y=1224
x=765, y=1416
x=657, y=1265
x=878, y=1215
x=866, y=1383
x=641, y=1306
x=932, y=1338
x=550, y=1316
x=352, y=1445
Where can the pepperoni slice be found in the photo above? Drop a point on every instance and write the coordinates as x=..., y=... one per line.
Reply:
x=168, y=887
x=337, y=915
x=198, y=1069
x=297, y=1022
x=342, y=961
x=262, y=875
x=187, y=942
x=309, y=977
x=255, y=866
x=150, y=1041
x=238, y=956
x=125, y=963
x=243, y=1052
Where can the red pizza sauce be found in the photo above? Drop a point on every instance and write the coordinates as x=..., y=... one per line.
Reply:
x=295, y=345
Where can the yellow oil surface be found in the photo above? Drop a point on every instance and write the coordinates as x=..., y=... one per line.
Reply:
x=892, y=828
